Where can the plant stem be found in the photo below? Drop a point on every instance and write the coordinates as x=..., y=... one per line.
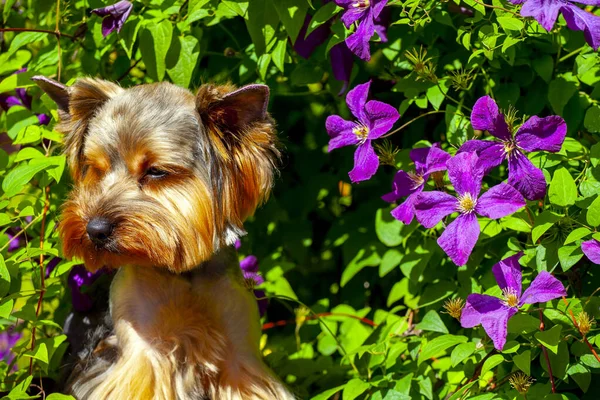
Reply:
x=496, y=7
x=269, y=325
x=589, y=345
x=58, y=34
x=571, y=54
x=545, y=351
x=413, y=120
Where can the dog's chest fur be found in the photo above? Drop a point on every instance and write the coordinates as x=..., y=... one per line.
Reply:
x=180, y=337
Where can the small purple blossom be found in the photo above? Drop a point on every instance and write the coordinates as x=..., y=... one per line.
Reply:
x=306, y=45
x=536, y=134
x=14, y=242
x=249, y=267
x=51, y=265
x=341, y=64
x=114, y=15
x=591, y=249
x=79, y=278
x=409, y=184
x=493, y=313
x=460, y=236
x=375, y=118
x=238, y=244
x=546, y=13
x=8, y=340
x=365, y=14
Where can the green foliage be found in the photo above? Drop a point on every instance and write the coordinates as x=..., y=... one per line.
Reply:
x=375, y=288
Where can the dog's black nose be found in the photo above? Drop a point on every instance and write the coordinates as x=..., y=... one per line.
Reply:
x=99, y=230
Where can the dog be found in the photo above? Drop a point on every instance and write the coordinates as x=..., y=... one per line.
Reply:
x=163, y=181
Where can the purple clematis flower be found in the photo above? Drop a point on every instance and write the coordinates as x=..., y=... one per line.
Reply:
x=375, y=118
x=78, y=278
x=536, y=134
x=114, y=15
x=364, y=12
x=8, y=340
x=341, y=64
x=591, y=249
x=306, y=45
x=409, y=184
x=466, y=175
x=546, y=12
x=493, y=313
x=249, y=266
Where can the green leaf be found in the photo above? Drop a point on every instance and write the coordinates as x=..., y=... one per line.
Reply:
x=581, y=232
x=439, y=345
x=354, y=388
x=592, y=119
x=543, y=222
x=6, y=308
x=581, y=375
x=323, y=14
x=390, y=260
x=18, y=177
x=462, y=352
x=491, y=363
x=510, y=23
x=550, y=338
x=23, y=39
x=388, y=228
x=155, y=41
x=326, y=395
x=560, y=92
x=544, y=66
x=186, y=59
x=398, y=291
x=262, y=21
x=4, y=277
x=590, y=361
x=563, y=191
x=432, y=322
x=292, y=14
x=58, y=396
x=569, y=256
x=263, y=65
x=40, y=352
x=8, y=5
x=28, y=153
x=278, y=54
x=366, y=257
x=523, y=361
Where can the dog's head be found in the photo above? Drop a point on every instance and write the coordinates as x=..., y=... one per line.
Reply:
x=162, y=177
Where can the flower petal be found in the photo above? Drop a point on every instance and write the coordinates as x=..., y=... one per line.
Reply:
x=419, y=157
x=499, y=201
x=431, y=207
x=249, y=264
x=490, y=153
x=352, y=14
x=487, y=117
x=591, y=249
x=581, y=20
x=525, y=177
x=341, y=64
x=340, y=132
x=537, y=134
x=366, y=163
x=508, y=273
x=492, y=313
x=544, y=288
x=381, y=117
x=465, y=174
x=306, y=45
x=356, y=100
x=437, y=160
x=460, y=237
x=544, y=11
x=403, y=185
x=358, y=42
x=405, y=212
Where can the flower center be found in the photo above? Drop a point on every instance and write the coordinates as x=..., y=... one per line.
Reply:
x=509, y=147
x=466, y=204
x=361, y=4
x=416, y=178
x=361, y=132
x=250, y=283
x=511, y=297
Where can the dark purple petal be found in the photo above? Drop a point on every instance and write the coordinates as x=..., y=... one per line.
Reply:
x=340, y=132
x=437, y=160
x=7, y=102
x=358, y=42
x=366, y=163
x=591, y=249
x=542, y=134
x=465, y=174
x=460, y=237
x=405, y=211
x=51, y=265
x=341, y=64
x=381, y=117
x=377, y=9
x=352, y=13
x=508, y=273
x=581, y=20
x=356, y=100
x=114, y=15
x=43, y=119
x=499, y=201
x=419, y=157
x=14, y=242
x=525, y=177
x=78, y=278
x=262, y=302
x=238, y=244
x=490, y=153
x=403, y=185
x=544, y=288
x=249, y=264
x=253, y=278
x=544, y=11
x=487, y=117
x=492, y=313
x=306, y=45
x=24, y=97
x=432, y=207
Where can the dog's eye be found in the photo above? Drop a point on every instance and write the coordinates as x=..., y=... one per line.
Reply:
x=154, y=172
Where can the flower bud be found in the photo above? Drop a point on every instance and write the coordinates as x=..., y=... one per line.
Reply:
x=454, y=307
x=584, y=323
x=520, y=382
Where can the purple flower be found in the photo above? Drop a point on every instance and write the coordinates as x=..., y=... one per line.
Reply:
x=51, y=265
x=115, y=16
x=79, y=277
x=546, y=12
x=410, y=184
x=238, y=244
x=249, y=266
x=364, y=13
x=536, y=134
x=341, y=64
x=466, y=175
x=8, y=340
x=306, y=45
x=375, y=118
x=14, y=242
x=591, y=249
x=493, y=313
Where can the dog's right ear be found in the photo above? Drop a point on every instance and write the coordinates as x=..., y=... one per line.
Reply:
x=77, y=104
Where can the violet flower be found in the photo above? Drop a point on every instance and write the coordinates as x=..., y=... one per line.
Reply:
x=14, y=242
x=252, y=278
x=364, y=13
x=536, y=134
x=591, y=249
x=546, y=12
x=114, y=15
x=493, y=313
x=78, y=278
x=8, y=340
x=460, y=236
x=375, y=118
x=410, y=184
x=341, y=64
x=306, y=45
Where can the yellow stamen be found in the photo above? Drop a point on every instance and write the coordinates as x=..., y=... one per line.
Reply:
x=584, y=323
x=417, y=179
x=361, y=132
x=454, y=307
x=361, y=4
x=466, y=203
x=520, y=382
x=511, y=297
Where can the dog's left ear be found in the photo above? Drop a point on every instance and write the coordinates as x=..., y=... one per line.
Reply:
x=244, y=145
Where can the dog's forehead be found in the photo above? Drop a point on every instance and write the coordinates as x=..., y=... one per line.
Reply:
x=158, y=118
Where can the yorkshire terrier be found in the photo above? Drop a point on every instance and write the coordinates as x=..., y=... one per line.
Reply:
x=163, y=181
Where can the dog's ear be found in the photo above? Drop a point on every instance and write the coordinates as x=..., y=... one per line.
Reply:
x=77, y=104
x=244, y=144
